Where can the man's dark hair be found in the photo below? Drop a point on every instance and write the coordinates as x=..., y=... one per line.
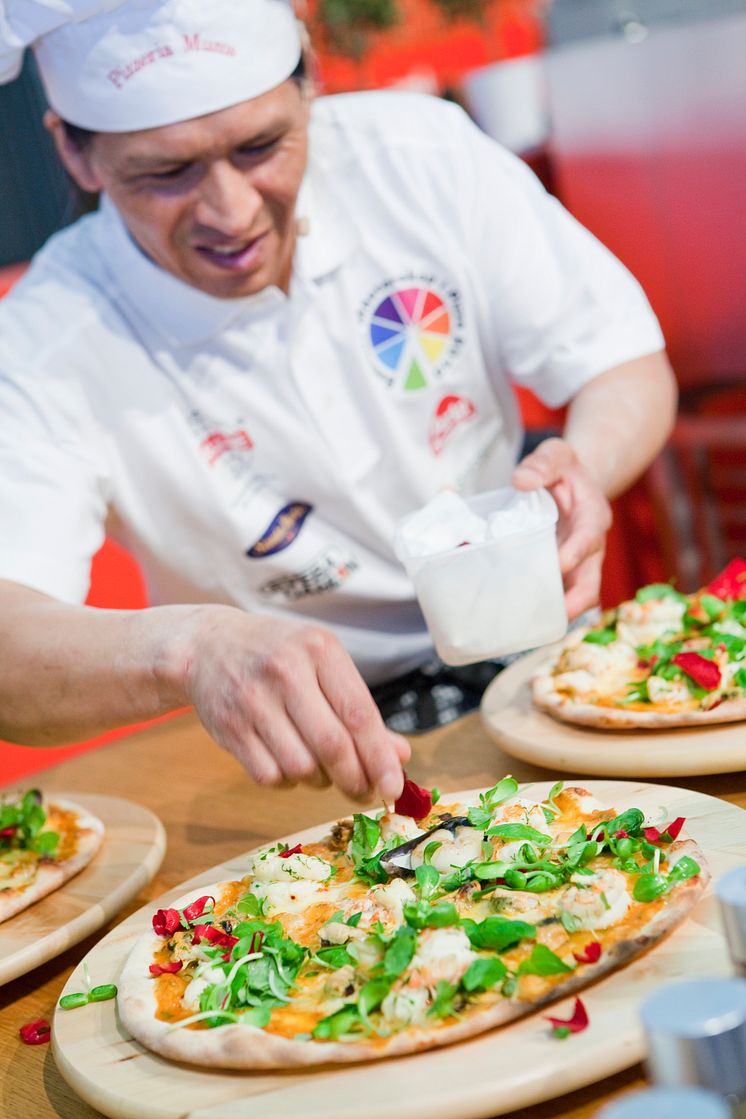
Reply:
x=80, y=138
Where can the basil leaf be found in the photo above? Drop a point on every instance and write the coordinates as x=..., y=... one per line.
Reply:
x=600, y=636
x=483, y=974
x=445, y=994
x=427, y=878
x=257, y=1016
x=399, y=953
x=334, y=956
x=520, y=831
x=337, y=1025
x=420, y=915
x=498, y=933
x=543, y=961
x=648, y=887
x=659, y=590
x=685, y=868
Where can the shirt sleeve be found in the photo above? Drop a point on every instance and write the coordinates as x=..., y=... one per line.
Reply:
x=559, y=307
x=52, y=486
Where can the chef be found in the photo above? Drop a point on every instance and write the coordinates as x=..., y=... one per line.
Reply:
x=289, y=324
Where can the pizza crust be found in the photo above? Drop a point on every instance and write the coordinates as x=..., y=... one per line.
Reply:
x=569, y=710
x=248, y=1047
x=51, y=875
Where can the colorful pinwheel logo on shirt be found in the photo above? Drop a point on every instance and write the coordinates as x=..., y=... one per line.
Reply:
x=411, y=334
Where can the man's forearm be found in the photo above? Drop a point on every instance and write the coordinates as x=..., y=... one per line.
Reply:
x=619, y=421
x=67, y=672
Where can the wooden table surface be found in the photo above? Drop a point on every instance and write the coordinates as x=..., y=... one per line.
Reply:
x=212, y=811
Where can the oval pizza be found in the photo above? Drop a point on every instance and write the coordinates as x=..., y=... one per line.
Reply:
x=408, y=929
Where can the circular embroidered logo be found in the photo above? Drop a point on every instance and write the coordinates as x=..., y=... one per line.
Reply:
x=411, y=334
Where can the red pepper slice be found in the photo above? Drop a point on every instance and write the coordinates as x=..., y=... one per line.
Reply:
x=166, y=922
x=7, y=833
x=703, y=672
x=621, y=834
x=669, y=833
x=36, y=1033
x=590, y=954
x=197, y=908
x=291, y=851
x=731, y=582
x=166, y=969
x=575, y=1024
x=414, y=801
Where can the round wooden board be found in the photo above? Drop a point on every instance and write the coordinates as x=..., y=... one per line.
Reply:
x=492, y=1074
x=132, y=850
x=525, y=732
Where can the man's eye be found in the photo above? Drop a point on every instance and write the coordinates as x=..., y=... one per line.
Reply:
x=255, y=149
x=167, y=176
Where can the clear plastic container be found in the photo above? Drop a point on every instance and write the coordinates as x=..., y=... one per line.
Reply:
x=503, y=595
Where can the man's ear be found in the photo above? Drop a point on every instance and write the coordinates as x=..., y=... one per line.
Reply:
x=77, y=161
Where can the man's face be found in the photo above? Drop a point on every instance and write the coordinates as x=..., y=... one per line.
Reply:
x=211, y=200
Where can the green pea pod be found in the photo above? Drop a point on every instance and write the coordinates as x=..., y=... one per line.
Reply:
x=103, y=993
x=70, y=1002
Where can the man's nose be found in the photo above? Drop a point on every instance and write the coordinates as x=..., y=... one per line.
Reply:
x=228, y=202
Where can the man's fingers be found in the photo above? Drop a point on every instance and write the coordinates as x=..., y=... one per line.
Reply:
x=256, y=759
x=583, y=586
x=280, y=737
x=544, y=466
x=376, y=746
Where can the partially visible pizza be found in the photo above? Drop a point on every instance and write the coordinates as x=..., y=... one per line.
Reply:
x=407, y=929
x=42, y=844
x=661, y=660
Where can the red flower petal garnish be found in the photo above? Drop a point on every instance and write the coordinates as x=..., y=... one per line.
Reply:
x=36, y=1033
x=163, y=969
x=590, y=954
x=213, y=935
x=6, y=833
x=731, y=582
x=197, y=908
x=576, y=1023
x=291, y=851
x=669, y=833
x=414, y=801
x=675, y=827
x=703, y=672
x=166, y=922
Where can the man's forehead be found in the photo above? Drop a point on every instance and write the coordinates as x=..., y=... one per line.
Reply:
x=251, y=122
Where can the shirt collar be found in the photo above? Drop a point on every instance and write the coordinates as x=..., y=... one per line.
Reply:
x=183, y=315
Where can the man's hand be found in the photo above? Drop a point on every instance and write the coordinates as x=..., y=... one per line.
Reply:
x=584, y=518
x=286, y=699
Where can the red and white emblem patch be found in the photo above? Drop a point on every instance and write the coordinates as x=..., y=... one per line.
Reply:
x=450, y=413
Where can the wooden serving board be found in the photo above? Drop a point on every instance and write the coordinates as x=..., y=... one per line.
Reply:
x=492, y=1074
x=526, y=732
x=132, y=850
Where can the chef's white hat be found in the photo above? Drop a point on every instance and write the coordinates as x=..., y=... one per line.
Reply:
x=123, y=65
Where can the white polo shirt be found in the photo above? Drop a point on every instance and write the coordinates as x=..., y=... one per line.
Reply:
x=259, y=451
